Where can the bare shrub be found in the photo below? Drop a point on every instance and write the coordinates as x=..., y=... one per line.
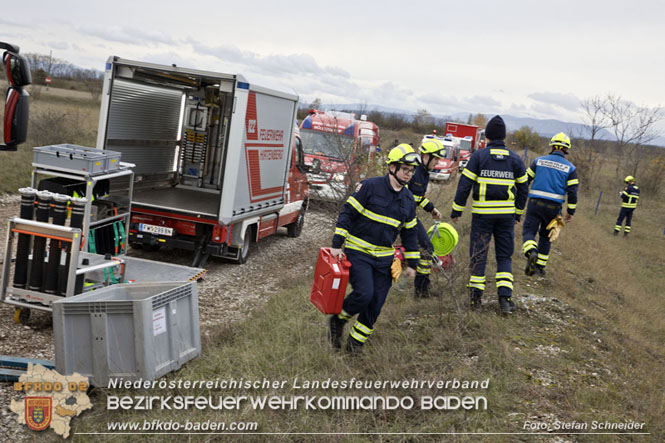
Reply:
x=51, y=127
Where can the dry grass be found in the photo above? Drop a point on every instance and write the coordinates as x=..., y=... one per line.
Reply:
x=56, y=116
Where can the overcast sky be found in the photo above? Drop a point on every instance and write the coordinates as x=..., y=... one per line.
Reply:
x=524, y=58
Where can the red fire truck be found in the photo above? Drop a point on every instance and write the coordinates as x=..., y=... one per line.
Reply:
x=470, y=137
x=335, y=144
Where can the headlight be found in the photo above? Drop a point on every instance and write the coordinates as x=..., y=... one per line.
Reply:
x=339, y=176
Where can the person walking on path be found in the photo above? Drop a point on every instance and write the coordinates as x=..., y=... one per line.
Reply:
x=497, y=179
x=368, y=225
x=552, y=178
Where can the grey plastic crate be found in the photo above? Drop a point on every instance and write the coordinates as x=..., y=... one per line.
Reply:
x=77, y=158
x=139, y=330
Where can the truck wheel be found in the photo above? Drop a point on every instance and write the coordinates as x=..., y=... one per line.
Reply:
x=295, y=229
x=244, y=251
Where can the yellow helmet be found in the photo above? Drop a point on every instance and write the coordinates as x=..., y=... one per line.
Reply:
x=403, y=153
x=629, y=178
x=433, y=147
x=560, y=141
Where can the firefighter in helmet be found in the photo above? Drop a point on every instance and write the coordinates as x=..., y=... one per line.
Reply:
x=430, y=151
x=629, y=197
x=552, y=178
x=368, y=225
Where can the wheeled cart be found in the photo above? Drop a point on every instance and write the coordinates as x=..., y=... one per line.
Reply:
x=79, y=264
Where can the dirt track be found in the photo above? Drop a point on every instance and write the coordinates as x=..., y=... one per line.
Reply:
x=228, y=294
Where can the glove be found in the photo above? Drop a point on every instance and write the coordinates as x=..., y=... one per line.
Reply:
x=396, y=269
x=555, y=226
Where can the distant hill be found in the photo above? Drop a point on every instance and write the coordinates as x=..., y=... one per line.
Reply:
x=544, y=127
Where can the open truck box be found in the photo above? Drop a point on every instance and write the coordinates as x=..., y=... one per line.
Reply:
x=214, y=157
x=204, y=144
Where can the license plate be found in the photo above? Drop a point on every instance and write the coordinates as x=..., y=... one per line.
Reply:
x=159, y=230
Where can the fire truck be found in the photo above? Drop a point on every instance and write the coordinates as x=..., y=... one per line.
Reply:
x=219, y=160
x=470, y=137
x=336, y=144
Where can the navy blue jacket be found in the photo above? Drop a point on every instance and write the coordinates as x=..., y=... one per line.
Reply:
x=497, y=177
x=630, y=196
x=418, y=187
x=372, y=217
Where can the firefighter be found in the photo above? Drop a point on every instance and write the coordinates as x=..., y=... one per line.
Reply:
x=629, y=197
x=368, y=225
x=554, y=178
x=497, y=179
x=431, y=150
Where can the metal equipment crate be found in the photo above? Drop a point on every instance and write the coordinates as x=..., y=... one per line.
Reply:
x=133, y=331
x=77, y=158
x=124, y=171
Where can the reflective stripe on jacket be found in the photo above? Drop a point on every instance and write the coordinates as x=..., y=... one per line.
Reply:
x=498, y=179
x=553, y=177
x=630, y=196
x=418, y=187
x=372, y=217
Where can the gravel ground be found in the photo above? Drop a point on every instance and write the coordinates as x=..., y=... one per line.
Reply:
x=228, y=294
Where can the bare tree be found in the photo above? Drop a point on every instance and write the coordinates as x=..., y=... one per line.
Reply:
x=633, y=126
x=595, y=117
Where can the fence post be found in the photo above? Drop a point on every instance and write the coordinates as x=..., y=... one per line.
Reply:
x=598, y=203
x=526, y=156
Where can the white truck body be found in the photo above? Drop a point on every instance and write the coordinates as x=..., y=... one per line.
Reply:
x=209, y=148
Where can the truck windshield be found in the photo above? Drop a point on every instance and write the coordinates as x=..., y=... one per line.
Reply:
x=327, y=144
x=465, y=145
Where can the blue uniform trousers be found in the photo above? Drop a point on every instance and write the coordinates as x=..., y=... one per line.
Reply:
x=371, y=279
x=539, y=213
x=483, y=228
x=626, y=213
x=424, y=268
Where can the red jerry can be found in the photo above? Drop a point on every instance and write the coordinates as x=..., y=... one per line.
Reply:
x=330, y=280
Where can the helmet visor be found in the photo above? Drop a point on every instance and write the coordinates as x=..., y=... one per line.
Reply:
x=410, y=158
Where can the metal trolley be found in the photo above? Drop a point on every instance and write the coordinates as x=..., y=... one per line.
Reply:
x=79, y=264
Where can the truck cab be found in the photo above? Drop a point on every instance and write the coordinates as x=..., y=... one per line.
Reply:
x=335, y=144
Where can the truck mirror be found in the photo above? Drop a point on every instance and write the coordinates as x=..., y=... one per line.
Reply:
x=16, y=68
x=16, y=119
x=16, y=102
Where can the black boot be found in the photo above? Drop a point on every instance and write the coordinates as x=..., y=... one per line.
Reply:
x=506, y=305
x=421, y=292
x=336, y=329
x=353, y=346
x=531, y=258
x=625, y=234
x=540, y=270
x=475, y=299
x=616, y=232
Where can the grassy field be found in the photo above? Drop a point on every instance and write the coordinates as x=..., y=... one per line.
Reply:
x=56, y=116
x=586, y=345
